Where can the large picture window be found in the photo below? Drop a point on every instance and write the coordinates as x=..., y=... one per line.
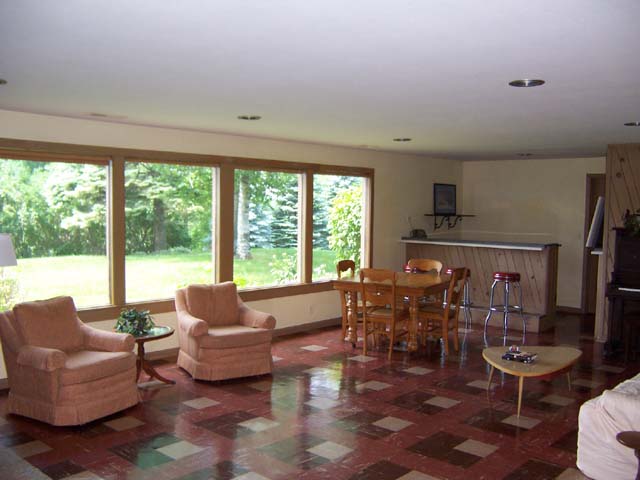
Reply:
x=113, y=227
x=169, y=228
x=266, y=241
x=55, y=213
x=338, y=222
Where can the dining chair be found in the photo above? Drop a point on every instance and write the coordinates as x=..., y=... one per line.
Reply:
x=347, y=268
x=382, y=315
x=425, y=265
x=440, y=319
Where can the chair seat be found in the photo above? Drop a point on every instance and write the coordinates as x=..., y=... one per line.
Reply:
x=433, y=309
x=401, y=313
x=88, y=365
x=233, y=336
x=507, y=276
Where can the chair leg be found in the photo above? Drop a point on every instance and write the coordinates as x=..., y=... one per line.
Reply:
x=456, y=344
x=345, y=319
x=392, y=339
x=365, y=335
x=445, y=338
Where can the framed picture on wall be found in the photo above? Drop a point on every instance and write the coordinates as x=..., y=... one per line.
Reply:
x=444, y=199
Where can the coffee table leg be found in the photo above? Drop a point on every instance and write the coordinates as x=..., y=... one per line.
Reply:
x=148, y=368
x=490, y=377
x=520, y=385
x=142, y=364
x=569, y=379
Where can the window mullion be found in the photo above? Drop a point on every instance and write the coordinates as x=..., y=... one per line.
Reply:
x=306, y=227
x=116, y=234
x=225, y=223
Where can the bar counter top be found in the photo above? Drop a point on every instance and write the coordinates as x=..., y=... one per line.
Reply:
x=487, y=240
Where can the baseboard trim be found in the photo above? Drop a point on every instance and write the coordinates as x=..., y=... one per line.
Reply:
x=305, y=327
x=162, y=354
x=574, y=310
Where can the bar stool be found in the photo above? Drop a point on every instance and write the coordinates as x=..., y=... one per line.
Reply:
x=466, y=297
x=508, y=279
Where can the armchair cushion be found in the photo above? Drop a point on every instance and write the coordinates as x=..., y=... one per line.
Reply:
x=234, y=336
x=86, y=366
x=215, y=304
x=95, y=339
x=49, y=323
x=41, y=358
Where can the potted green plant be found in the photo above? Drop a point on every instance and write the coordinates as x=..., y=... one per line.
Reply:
x=135, y=322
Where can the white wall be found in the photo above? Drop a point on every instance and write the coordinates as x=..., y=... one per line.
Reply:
x=403, y=186
x=545, y=197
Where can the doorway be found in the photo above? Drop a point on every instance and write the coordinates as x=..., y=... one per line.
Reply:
x=595, y=189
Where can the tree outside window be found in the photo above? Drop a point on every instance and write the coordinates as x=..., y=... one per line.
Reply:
x=338, y=213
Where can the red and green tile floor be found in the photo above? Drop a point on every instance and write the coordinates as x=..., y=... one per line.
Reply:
x=328, y=412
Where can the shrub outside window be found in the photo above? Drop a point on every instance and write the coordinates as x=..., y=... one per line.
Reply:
x=338, y=222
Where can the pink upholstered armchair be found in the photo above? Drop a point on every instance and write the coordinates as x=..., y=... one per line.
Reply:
x=220, y=337
x=62, y=371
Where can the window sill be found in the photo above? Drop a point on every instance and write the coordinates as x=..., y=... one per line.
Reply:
x=111, y=312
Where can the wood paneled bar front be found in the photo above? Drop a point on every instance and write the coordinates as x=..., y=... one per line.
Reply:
x=536, y=261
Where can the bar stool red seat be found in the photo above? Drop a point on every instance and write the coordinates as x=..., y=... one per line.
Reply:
x=509, y=280
x=507, y=276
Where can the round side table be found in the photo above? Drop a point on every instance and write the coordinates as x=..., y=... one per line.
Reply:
x=156, y=333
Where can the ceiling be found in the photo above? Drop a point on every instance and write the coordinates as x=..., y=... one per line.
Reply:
x=356, y=73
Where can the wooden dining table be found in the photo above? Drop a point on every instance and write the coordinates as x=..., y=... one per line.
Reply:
x=410, y=285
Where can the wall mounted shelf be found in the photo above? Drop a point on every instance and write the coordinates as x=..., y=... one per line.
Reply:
x=450, y=224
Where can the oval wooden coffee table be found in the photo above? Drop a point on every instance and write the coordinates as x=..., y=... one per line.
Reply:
x=550, y=360
x=156, y=333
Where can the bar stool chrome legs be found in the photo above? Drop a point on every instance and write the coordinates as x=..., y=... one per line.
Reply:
x=466, y=303
x=509, y=280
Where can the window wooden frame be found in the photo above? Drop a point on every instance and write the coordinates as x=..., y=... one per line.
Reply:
x=115, y=159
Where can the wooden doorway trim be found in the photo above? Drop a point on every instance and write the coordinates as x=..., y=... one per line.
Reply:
x=595, y=187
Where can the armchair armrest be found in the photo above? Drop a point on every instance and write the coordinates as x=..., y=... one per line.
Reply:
x=192, y=326
x=41, y=358
x=622, y=409
x=253, y=318
x=95, y=339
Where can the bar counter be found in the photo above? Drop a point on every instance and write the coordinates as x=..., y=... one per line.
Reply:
x=534, y=257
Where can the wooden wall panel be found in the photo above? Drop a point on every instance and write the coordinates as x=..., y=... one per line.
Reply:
x=538, y=271
x=622, y=193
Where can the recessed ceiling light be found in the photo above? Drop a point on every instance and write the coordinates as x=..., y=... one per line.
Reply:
x=632, y=124
x=399, y=139
x=526, y=154
x=526, y=83
x=3, y=81
x=249, y=117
